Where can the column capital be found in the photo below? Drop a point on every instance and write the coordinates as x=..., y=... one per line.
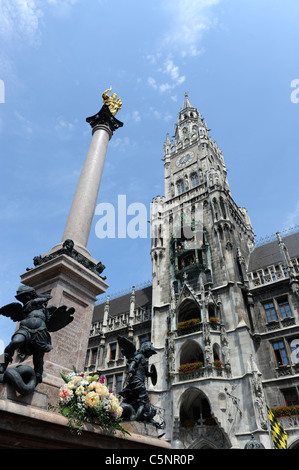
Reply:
x=104, y=118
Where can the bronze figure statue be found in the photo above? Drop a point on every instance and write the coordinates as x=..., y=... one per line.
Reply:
x=114, y=104
x=32, y=337
x=136, y=404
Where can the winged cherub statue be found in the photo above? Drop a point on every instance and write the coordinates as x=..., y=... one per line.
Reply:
x=136, y=404
x=36, y=322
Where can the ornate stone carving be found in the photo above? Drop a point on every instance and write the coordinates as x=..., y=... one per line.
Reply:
x=69, y=250
x=257, y=386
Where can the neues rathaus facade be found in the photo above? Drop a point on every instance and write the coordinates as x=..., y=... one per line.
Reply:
x=221, y=312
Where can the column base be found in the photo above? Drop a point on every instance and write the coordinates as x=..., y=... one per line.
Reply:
x=80, y=248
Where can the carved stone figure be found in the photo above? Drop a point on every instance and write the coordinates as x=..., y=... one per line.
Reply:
x=259, y=395
x=33, y=334
x=170, y=352
x=260, y=405
x=208, y=355
x=136, y=404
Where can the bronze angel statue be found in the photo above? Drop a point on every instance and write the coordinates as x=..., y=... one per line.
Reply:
x=136, y=404
x=36, y=322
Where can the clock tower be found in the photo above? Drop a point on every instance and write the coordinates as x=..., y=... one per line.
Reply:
x=201, y=321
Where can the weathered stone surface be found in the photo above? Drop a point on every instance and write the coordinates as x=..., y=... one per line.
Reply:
x=27, y=427
x=140, y=428
x=36, y=399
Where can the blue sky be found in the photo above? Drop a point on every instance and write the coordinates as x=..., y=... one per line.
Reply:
x=237, y=59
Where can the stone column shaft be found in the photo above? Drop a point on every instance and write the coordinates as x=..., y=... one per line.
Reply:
x=82, y=210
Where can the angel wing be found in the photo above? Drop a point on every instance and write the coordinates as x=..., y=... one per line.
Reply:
x=59, y=318
x=127, y=347
x=13, y=311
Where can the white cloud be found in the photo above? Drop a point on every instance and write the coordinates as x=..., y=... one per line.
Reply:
x=1, y=346
x=158, y=115
x=175, y=79
x=136, y=116
x=132, y=116
x=152, y=59
x=152, y=82
x=64, y=125
x=122, y=143
x=19, y=19
x=61, y=7
x=173, y=71
x=26, y=125
x=189, y=20
x=165, y=87
x=62, y=2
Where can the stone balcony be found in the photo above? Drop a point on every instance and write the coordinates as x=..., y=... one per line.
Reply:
x=196, y=328
x=271, y=274
x=199, y=374
x=287, y=370
x=289, y=422
x=120, y=321
x=267, y=275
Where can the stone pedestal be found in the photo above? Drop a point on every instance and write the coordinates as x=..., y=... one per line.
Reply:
x=142, y=429
x=36, y=399
x=29, y=427
x=71, y=284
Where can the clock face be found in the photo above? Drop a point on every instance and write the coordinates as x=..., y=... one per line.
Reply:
x=184, y=159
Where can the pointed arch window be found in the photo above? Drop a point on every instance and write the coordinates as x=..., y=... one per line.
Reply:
x=188, y=310
x=195, y=409
x=216, y=352
x=222, y=205
x=194, y=180
x=191, y=353
x=180, y=186
x=216, y=209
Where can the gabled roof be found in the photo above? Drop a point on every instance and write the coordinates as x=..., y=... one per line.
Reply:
x=120, y=305
x=269, y=254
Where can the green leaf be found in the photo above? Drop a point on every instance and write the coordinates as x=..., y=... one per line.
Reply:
x=66, y=411
x=64, y=377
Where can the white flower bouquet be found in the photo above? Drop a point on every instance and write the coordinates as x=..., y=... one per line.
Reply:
x=84, y=398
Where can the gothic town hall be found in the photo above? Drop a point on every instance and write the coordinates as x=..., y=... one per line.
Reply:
x=221, y=312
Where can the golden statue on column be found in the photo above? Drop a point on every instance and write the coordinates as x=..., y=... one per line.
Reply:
x=114, y=104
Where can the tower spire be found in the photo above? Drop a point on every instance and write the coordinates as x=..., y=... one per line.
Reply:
x=187, y=103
